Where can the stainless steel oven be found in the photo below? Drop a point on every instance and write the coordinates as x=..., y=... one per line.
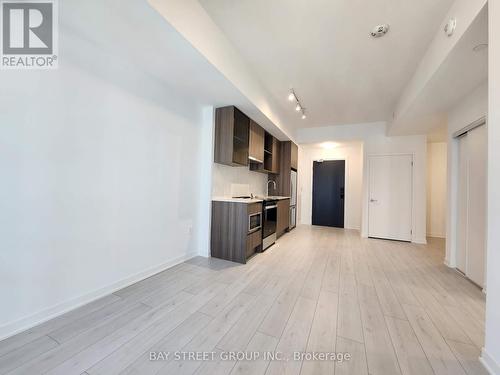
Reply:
x=254, y=222
x=270, y=216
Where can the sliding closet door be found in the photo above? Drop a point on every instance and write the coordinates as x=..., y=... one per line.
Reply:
x=472, y=204
x=477, y=145
x=463, y=202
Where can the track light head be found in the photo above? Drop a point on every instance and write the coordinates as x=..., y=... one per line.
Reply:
x=298, y=105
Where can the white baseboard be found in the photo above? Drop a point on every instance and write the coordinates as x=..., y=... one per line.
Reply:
x=489, y=363
x=420, y=241
x=353, y=228
x=436, y=235
x=10, y=329
x=450, y=264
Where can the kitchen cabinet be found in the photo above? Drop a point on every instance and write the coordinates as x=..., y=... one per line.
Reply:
x=288, y=162
x=231, y=236
x=283, y=217
x=271, y=156
x=294, y=155
x=275, y=160
x=288, y=169
x=256, y=147
x=232, y=133
x=254, y=243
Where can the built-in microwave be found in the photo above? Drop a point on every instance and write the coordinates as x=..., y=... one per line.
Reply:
x=254, y=222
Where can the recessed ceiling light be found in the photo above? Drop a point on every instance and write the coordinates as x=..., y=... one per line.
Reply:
x=329, y=145
x=304, y=116
x=449, y=28
x=480, y=47
x=291, y=97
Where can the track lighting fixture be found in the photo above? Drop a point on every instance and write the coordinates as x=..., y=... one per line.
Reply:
x=298, y=106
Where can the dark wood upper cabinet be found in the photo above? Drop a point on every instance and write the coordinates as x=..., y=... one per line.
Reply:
x=256, y=147
x=275, y=164
x=271, y=156
x=294, y=156
x=232, y=133
x=288, y=161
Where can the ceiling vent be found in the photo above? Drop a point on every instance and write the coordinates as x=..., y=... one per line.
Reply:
x=380, y=30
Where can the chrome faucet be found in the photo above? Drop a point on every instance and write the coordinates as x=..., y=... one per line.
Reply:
x=274, y=184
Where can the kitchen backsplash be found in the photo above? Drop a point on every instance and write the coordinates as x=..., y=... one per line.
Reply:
x=236, y=181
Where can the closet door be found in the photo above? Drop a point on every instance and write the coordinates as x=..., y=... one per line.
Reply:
x=390, y=197
x=477, y=144
x=463, y=203
x=472, y=204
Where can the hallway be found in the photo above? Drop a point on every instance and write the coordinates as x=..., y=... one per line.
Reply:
x=393, y=306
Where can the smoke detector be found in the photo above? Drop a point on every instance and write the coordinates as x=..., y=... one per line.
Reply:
x=450, y=27
x=380, y=30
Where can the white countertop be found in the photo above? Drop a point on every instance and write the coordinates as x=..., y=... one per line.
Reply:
x=247, y=200
x=236, y=200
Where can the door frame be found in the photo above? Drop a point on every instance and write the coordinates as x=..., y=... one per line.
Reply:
x=346, y=183
x=367, y=199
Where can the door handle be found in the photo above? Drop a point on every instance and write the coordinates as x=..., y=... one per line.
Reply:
x=373, y=200
x=342, y=193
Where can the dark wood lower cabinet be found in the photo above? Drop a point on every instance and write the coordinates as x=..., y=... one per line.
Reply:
x=254, y=243
x=230, y=236
x=283, y=220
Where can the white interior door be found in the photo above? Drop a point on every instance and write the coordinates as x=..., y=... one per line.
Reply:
x=390, y=197
x=476, y=230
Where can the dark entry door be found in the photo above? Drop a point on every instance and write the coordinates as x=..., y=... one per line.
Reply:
x=328, y=193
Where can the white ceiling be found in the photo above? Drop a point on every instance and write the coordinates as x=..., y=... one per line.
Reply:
x=323, y=49
x=135, y=38
x=462, y=71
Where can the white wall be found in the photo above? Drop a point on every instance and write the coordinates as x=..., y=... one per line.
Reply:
x=206, y=176
x=338, y=133
x=100, y=182
x=465, y=11
x=191, y=20
x=491, y=351
x=237, y=181
x=352, y=153
x=466, y=111
x=436, y=189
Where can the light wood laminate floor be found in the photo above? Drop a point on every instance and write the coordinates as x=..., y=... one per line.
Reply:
x=393, y=306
